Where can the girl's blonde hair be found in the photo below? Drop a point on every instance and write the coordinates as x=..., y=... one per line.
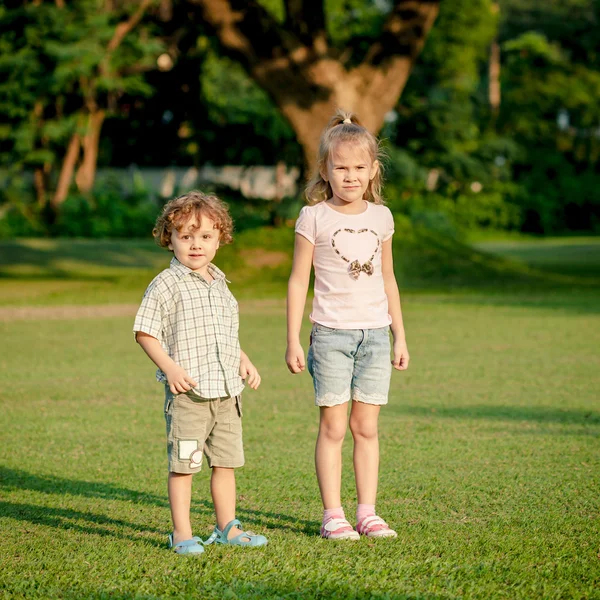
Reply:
x=344, y=127
x=177, y=212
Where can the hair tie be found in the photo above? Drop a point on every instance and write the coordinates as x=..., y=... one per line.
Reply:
x=347, y=120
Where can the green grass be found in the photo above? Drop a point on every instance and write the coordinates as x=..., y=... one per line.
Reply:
x=488, y=470
x=579, y=256
x=72, y=271
x=489, y=445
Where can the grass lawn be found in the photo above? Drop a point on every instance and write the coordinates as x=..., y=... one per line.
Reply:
x=90, y=272
x=489, y=447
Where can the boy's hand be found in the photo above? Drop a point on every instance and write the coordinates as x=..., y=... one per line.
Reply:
x=179, y=381
x=401, y=357
x=249, y=373
x=294, y=357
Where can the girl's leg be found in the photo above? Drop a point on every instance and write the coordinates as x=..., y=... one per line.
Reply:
x=328, y=453
x=180, y=499
x=363, y=425
x=222, y=489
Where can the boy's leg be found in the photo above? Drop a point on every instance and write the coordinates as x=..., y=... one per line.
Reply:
x=180, y=499
x=328, y=453
x=224, y=452
x=222, y=489
x=363, y=425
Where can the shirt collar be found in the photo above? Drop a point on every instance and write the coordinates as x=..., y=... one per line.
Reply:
x=181, y=270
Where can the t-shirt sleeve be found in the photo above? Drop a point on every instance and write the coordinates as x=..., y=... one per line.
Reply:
x=389, y=224
x=306, y=224
x=149, y=318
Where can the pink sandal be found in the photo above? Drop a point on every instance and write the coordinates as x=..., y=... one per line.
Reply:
x=375, y=526
x=338, y=529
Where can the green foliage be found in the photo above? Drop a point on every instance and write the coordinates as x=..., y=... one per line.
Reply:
x=111, y=213
x=453, y=164
x=533, y=166
x=559, y=85
x=54, y=65
x=234, y=99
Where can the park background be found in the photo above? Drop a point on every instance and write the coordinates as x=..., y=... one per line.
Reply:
x=489, y=114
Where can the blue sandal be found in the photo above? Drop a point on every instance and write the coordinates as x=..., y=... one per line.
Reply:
x=193, y=546
x=246, y=538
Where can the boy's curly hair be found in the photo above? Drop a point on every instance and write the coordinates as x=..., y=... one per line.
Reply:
x=177, y=212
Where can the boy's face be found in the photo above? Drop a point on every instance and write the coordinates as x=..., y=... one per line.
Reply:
x=196, y=244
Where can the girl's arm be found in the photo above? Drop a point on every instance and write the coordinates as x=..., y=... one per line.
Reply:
x=401, y=356
x=296, y=298
x=179, y=381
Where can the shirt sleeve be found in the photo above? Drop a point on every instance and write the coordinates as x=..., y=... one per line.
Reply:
x=389, y=224
x=149, y=318
x=306, y=224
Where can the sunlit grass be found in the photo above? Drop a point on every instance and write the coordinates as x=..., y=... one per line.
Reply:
x=65, y=271
x=488, y=471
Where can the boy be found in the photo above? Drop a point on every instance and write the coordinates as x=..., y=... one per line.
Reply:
x=188, y=325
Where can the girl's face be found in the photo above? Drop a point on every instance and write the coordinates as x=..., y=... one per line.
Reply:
x=350, y=169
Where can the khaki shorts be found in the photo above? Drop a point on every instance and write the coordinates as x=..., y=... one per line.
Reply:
x=197, y=426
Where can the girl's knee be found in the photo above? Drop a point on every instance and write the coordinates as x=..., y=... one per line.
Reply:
x=333, y=431
x=363, y=429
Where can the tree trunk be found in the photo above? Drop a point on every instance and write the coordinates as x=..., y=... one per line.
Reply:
x=39, y=181
x=66, y=172
x=307, y=79
x=347, y=93
x=86, y=173
x=494, y=76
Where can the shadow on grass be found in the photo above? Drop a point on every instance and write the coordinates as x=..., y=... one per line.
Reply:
x=72, y=520
x=102, y=253
x=542, y=415
x=12, y=479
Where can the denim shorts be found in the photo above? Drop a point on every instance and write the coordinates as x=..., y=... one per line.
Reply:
x=350, y=364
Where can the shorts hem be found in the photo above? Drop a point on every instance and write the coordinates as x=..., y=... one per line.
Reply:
x=331, y=399
x=183, y=470
x=226, y=464
x=375, y=399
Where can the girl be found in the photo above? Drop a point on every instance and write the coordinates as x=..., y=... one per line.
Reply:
x=346, y=233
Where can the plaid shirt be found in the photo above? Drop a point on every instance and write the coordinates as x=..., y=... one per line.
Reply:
x=197, y=325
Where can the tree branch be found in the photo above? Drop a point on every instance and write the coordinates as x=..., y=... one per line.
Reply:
x=307, y=81
x=125, y=27
x=274, y=56
x=382, y=75
x=404, y=31
x=306, y=20
x=247, y=31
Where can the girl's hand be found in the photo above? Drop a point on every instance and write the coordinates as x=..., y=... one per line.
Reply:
x=294, y=357
x=179, y=381
x=401, y=356
x=249, y=373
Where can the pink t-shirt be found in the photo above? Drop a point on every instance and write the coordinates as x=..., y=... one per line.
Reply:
x=349, y=290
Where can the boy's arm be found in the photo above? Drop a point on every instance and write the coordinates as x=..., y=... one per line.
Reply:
x=401, y=356
x=178, y=379
x=296, y=299
x=248, y=372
